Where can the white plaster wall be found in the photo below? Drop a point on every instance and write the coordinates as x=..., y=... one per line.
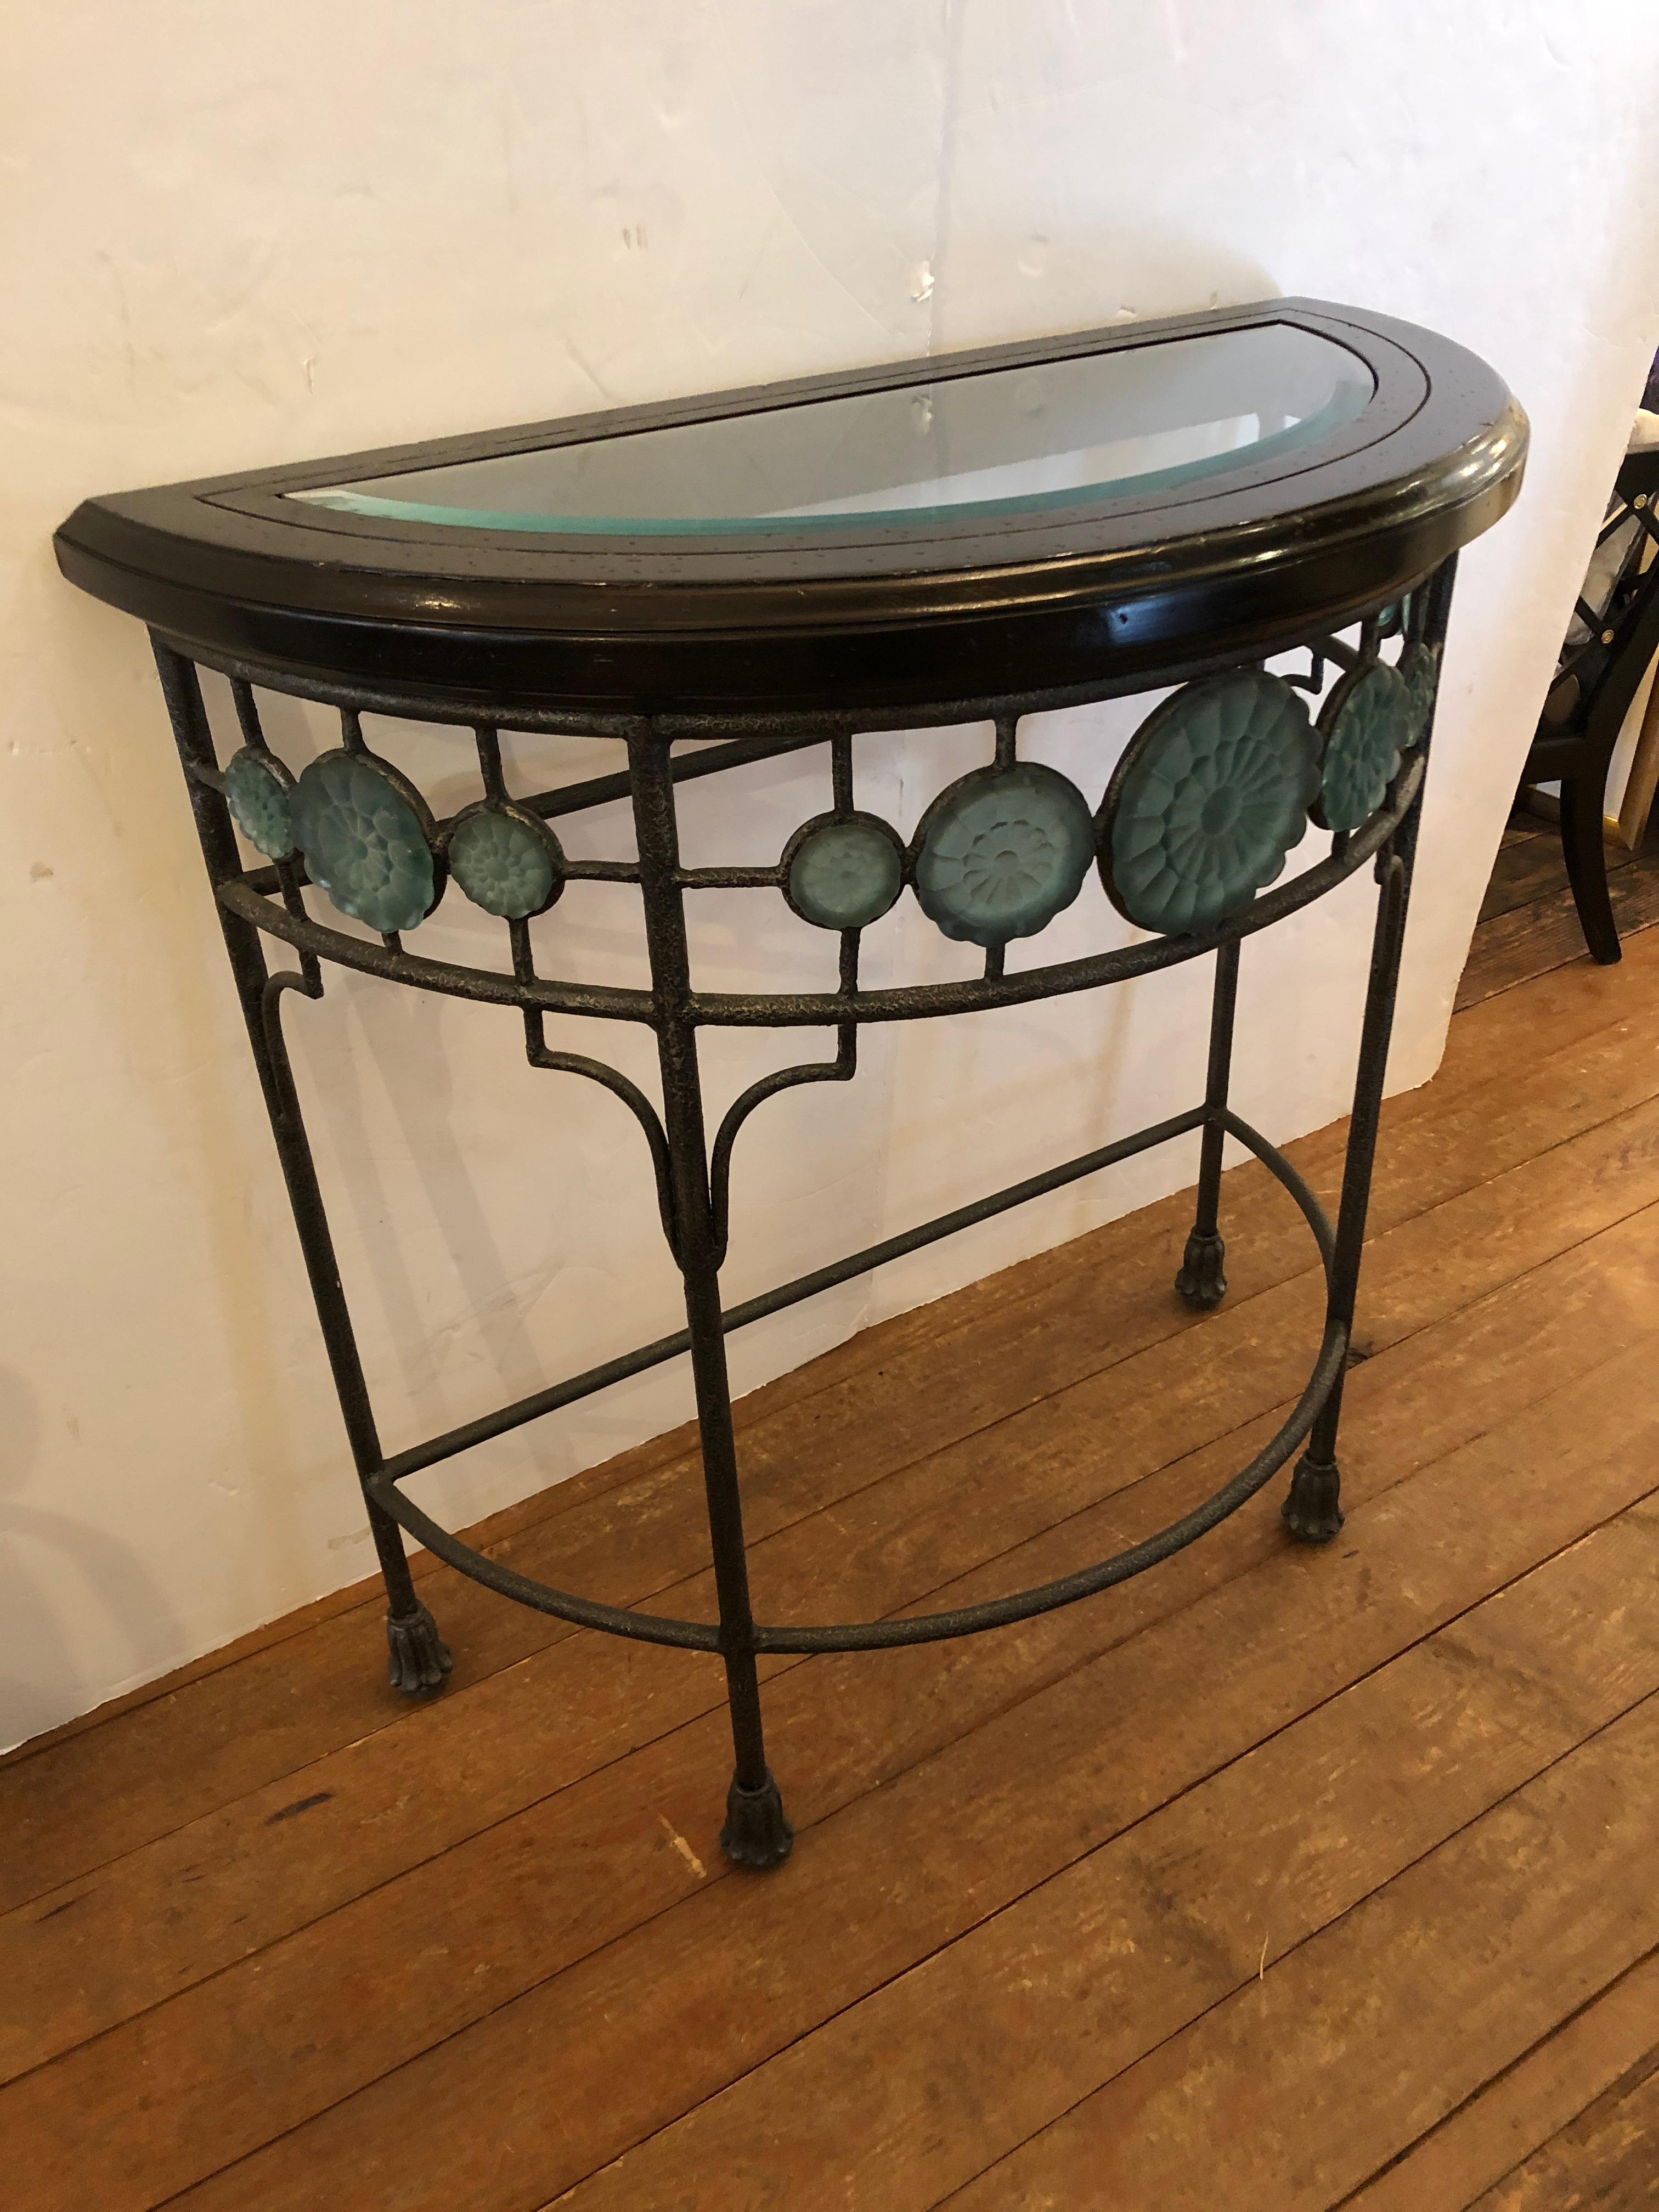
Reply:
x=231, y=234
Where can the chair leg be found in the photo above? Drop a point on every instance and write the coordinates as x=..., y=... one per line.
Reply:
x=1585, y=853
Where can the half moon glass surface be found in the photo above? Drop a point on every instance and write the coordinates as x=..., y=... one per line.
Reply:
x=1139, y=418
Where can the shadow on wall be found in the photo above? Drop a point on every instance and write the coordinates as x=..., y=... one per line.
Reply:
x=115, y=1589
x=400, y=1031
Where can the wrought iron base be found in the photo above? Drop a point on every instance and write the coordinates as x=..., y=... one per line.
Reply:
x=418, y=1658
x=841, y=871
x=756, y=1834
x=1310, y=1510
x=1201, y=1281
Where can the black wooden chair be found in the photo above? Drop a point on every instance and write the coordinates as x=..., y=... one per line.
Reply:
x=1603, y=662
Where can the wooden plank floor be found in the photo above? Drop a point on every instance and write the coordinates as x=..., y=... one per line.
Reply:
x=1276, y=1879
x=1528, y=919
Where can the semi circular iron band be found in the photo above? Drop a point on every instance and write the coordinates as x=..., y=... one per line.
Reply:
x=962, y=1620
x=823, y=1009
x=921, y=1628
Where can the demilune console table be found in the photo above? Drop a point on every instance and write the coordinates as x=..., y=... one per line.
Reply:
x=1261, y=505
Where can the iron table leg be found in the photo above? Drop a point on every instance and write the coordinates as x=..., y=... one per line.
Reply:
x=756, y=1833
x=1201, y=1281
x=418, y=1659
x=1312, y=1510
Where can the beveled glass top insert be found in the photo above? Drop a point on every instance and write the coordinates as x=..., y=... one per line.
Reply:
x=1001, y=441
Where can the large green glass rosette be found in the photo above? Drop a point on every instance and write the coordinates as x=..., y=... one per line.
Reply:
x=1001, y=852
x=367, y=837
x=1209, y=798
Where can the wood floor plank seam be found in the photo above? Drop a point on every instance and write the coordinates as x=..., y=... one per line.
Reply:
x=1646, y=1499
x=1521, y=2112
x=1197, y=1783
x=1636, y=2078
x=1580, y=1737
x=1649, y=1698
x=1465, y=2104
x=1529, y=869
x=1633, y=895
